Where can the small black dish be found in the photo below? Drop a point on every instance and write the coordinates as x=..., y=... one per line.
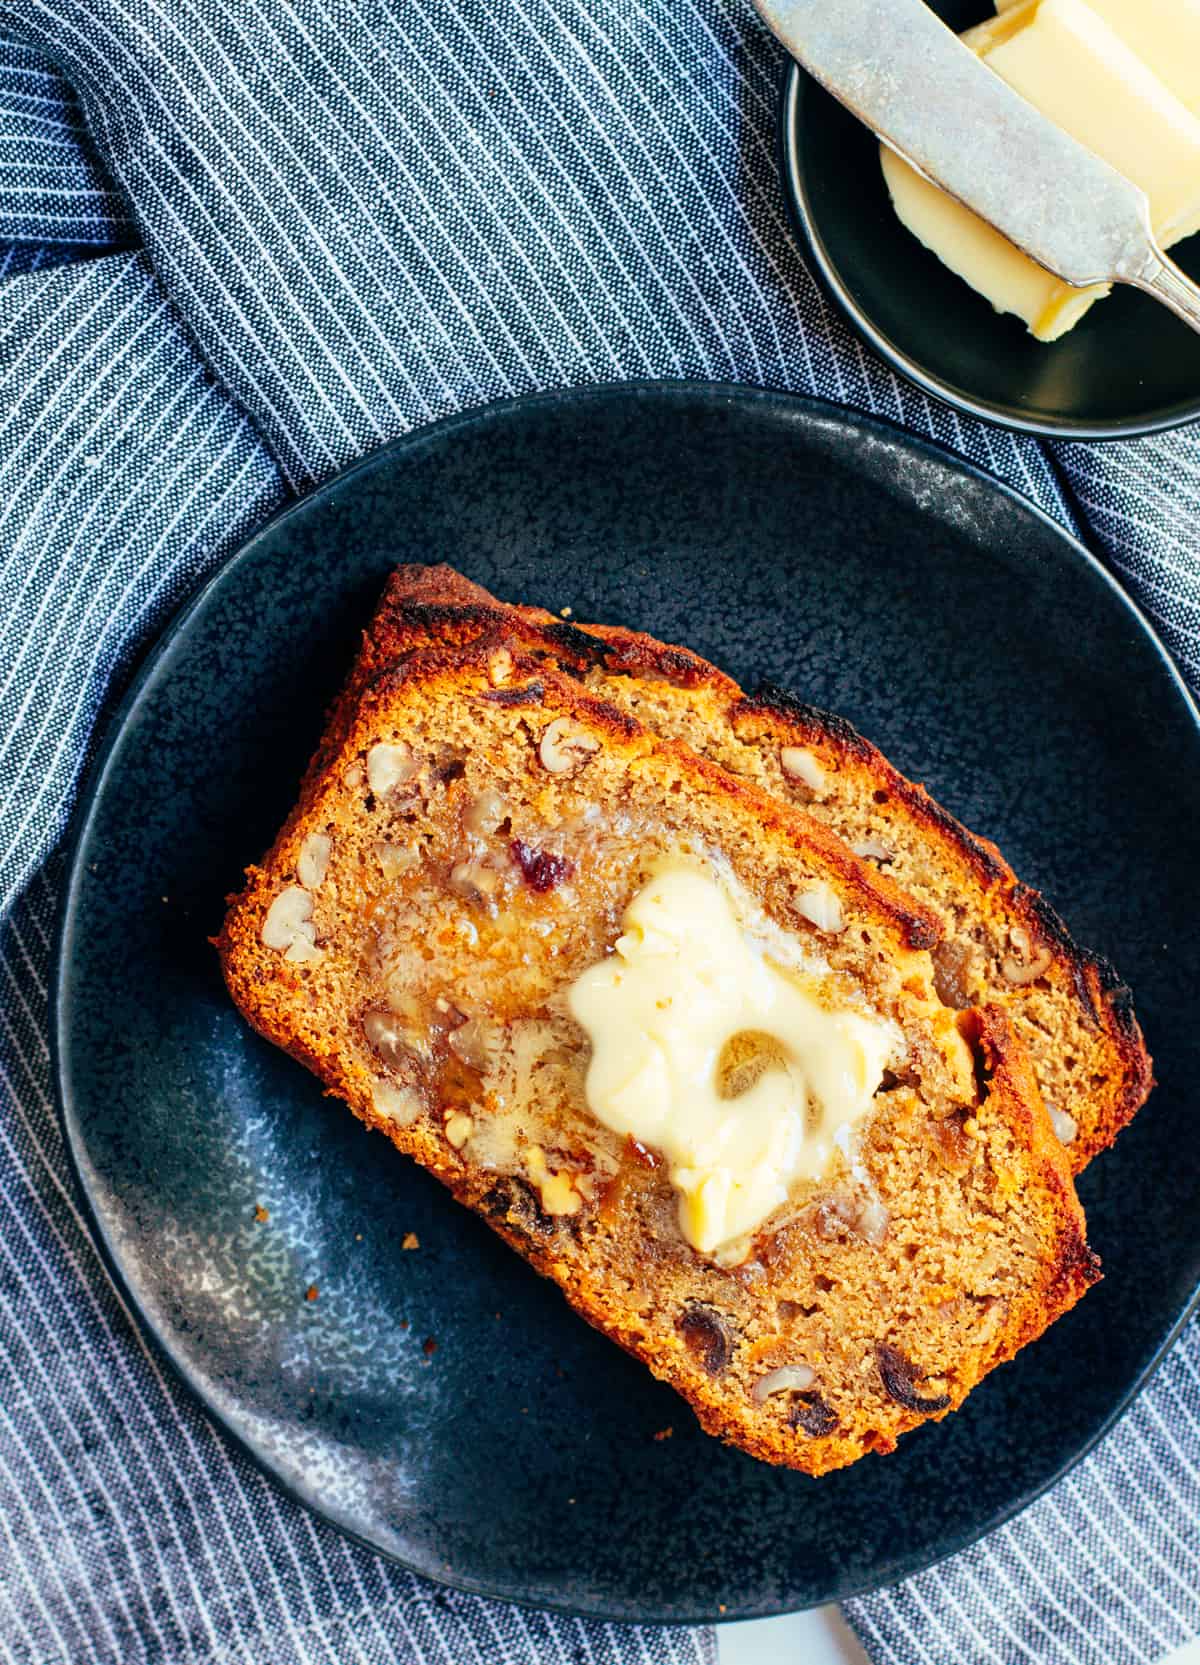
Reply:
x=977, y=642
x=1128, y=368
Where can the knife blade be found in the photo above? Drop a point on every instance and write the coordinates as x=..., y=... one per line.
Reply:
x=900, y=70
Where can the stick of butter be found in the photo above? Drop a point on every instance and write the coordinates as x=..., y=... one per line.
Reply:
x=982, y=256
x=1164, y=34
x=1065, y=59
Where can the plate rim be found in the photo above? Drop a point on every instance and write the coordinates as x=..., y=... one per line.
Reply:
x=681, y=390
x=795, y=84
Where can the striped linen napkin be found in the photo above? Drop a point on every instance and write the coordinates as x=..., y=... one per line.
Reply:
x=261, y=237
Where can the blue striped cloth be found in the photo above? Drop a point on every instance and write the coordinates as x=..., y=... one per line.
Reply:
x=259, y=238
x=52, y=188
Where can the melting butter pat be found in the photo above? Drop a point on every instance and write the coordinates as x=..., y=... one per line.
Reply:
x=684, y=980
x=1084, y=74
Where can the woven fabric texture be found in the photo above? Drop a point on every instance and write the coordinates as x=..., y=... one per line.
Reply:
x=352, y=217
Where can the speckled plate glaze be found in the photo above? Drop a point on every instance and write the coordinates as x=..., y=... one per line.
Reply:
x=988, y=654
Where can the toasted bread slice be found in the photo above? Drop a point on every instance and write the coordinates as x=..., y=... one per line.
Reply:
x=412, y=935
x=1001, y=942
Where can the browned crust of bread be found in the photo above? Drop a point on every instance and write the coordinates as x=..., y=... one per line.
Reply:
x=1009, y=1092
x=425, y=605
x=404, y=627
x=916, y=927
x=1101, y=993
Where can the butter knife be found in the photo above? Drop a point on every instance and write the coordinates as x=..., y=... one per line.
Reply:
x=912, y=81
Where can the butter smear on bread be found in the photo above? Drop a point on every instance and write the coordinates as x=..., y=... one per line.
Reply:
x=688, y=1008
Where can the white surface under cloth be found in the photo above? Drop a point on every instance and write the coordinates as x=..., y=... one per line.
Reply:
x=822, y=1637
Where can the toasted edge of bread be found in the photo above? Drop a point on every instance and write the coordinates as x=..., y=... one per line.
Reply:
x=423, y=606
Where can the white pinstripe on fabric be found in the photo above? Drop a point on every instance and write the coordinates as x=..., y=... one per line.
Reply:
x=58, y=443
x=470, y=276
x=368, y=215
x=52, y=189
x=386, y=69
x=117, y=116
x=126, y=1499
x=499, y=179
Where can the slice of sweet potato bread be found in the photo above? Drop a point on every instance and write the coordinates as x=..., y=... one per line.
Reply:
x=474, y=844
x=1001, y=940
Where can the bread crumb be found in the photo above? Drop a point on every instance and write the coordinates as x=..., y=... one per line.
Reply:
x=261, y=1214
x=410, y=1241
x=721, y=1608
x=664, y=1433
x=429, y=1346
x=565, y=613
x=311, y=1293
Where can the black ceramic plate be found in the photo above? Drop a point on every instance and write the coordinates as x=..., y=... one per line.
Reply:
x=1129, y=367
x=946, y=617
